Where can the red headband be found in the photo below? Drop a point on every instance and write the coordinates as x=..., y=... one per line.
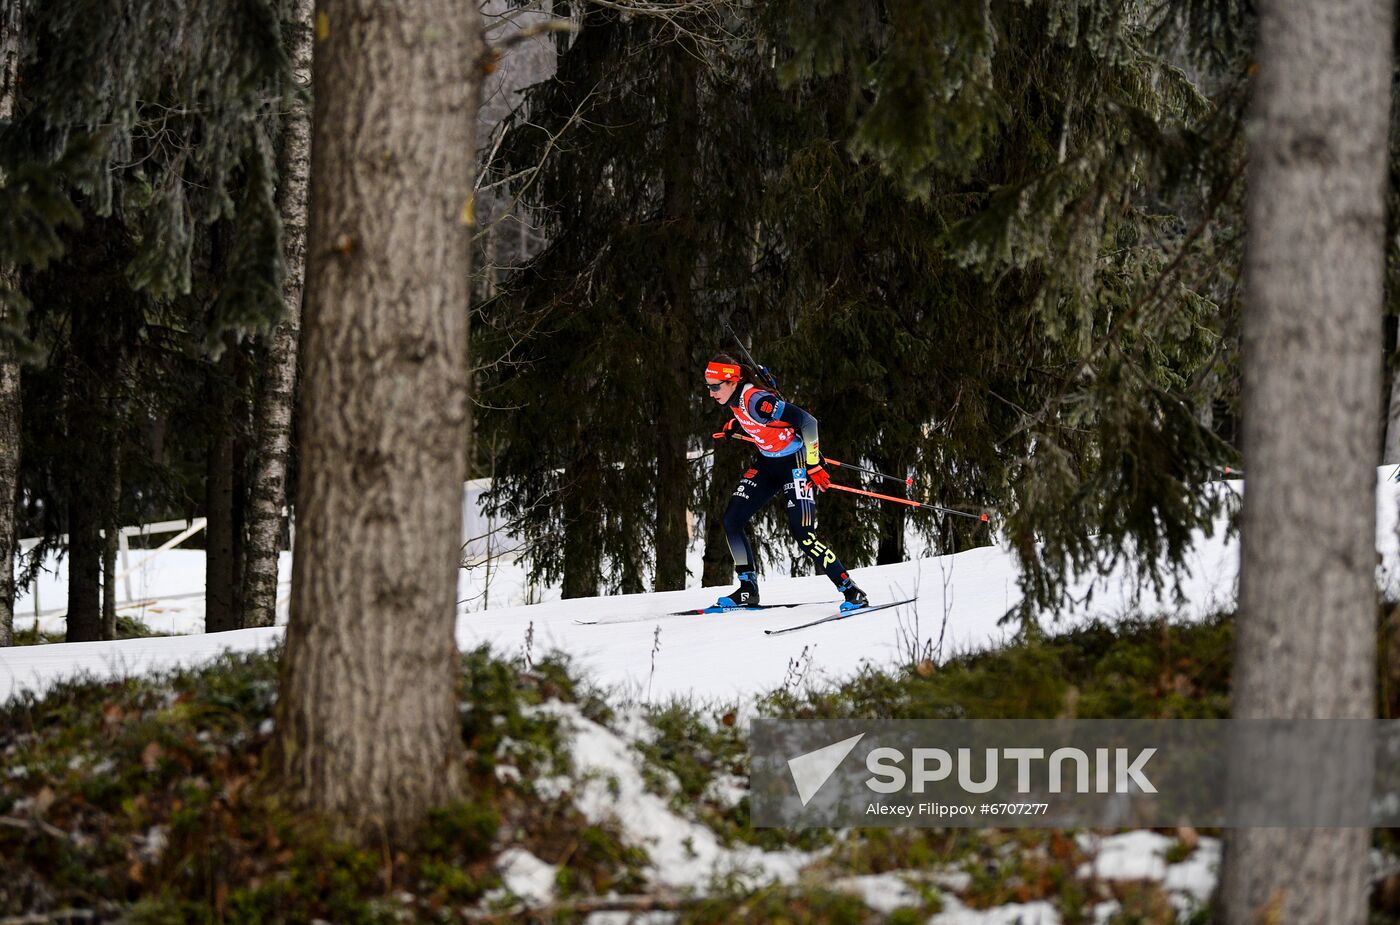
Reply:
x=724, y=372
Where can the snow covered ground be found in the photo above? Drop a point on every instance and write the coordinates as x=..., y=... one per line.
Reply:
x=650, y=657
x=961, y=599
x=607, y=783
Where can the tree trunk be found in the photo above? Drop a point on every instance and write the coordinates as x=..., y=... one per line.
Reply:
x=676, y=392
x=583, y=551
x=84, y=566
x=9, y=360
x=367, y=725
x=274, y=423
x=891, y=545
x=1390, y=454
x=893, y=518
x=86, y=473
x=672, y=484
x=1305, y=641
x=725, y=468
x=110, y=542
x=220, y=574
x=220, y=556
x=9, y=482
x=241, y=453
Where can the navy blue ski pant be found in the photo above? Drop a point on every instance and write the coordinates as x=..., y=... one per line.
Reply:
x=757, y=487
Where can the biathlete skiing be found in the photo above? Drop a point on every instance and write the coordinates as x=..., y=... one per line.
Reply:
x=789, y=459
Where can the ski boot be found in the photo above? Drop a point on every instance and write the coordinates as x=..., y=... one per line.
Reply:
x=855, y=597
x=746, y=595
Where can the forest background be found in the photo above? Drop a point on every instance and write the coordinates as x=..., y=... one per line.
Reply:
x=1020, y=291
x=997, y=247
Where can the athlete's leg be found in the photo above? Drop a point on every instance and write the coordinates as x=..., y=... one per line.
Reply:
x=802, y=522
x=754, y=490
x=757, y=486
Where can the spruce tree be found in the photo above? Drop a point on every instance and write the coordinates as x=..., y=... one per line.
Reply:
x=1006, y=242
x=650, y=237
x=150, y=122
x=988, y=245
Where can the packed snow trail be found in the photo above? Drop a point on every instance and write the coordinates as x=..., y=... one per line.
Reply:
x=961, y=599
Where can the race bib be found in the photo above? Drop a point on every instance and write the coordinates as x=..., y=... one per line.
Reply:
x=801, y=486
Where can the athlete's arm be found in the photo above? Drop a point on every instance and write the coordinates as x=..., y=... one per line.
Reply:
x=767, y=408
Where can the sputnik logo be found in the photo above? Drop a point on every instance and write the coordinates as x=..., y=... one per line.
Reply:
x=812, y=770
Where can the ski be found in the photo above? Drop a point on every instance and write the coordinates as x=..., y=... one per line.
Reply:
x=699, y=611
x=715, y=608
x=839, y=616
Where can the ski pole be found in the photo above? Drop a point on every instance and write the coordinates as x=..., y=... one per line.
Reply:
x=871, y=494
x=929, y=507
x=906, y=482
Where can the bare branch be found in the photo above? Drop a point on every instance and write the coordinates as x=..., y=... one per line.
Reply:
x=539, y=28
x=35, y=824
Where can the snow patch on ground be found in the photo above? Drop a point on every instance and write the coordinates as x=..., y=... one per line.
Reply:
x=527, y=876
x=1129, y=856
x=953, y=881
x=882, y=892
x=609, y=785
x=1036, y=913
x=727, y=790
x=1104, y=912
x=1383, y=864
x=632, y=918
x=1192, y=881
x=1142, y=856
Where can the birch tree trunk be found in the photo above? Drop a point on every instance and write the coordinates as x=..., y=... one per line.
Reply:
x=9, y=482
x=274, y=423
x=1305, y=640
x=9, y=360
x=367, y=726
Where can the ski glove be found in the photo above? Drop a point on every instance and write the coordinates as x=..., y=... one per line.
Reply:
x=819, y=477
x=727, y=431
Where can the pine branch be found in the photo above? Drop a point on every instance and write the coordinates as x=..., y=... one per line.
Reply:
x=1121, y=322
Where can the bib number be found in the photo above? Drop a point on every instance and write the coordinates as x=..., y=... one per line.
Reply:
x=801, y=486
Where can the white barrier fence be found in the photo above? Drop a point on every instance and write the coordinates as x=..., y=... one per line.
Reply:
x=484, y=539
x=183, y=530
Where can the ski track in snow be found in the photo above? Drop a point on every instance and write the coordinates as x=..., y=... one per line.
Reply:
x=962, y=598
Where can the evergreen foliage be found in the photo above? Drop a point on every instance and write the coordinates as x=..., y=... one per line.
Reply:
x=161, y=116
x=988, y=245
x=137, y=190
x=650, y=237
